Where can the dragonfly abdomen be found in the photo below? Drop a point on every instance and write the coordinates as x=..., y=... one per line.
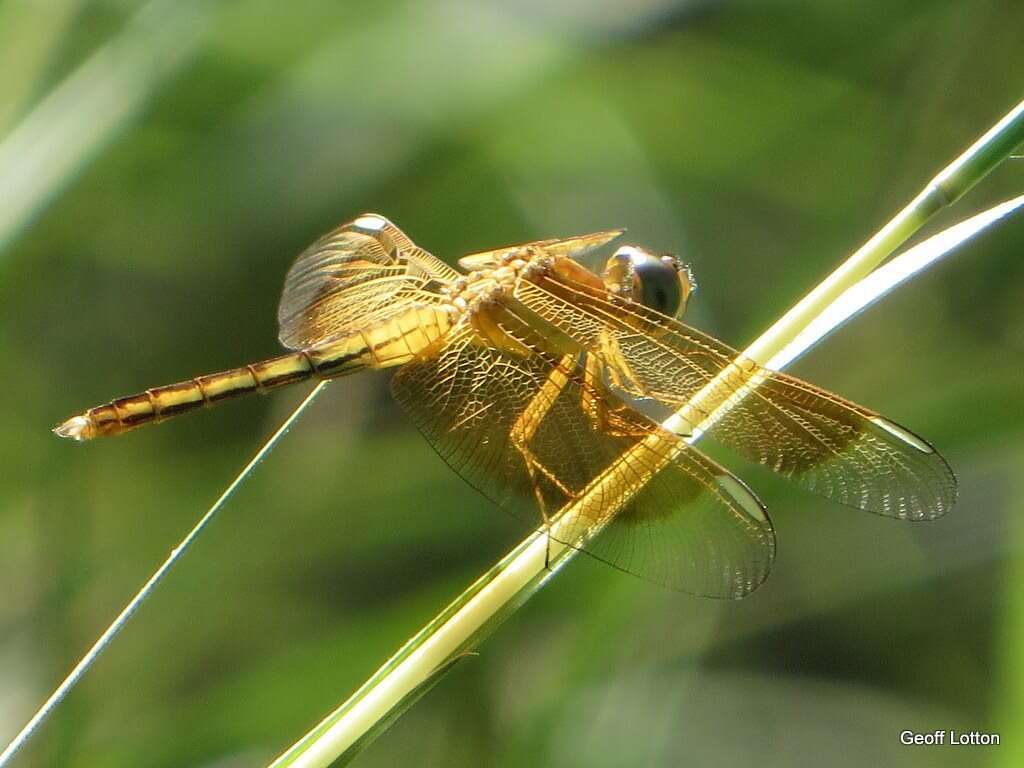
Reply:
x=161, y=403
x=387, y=344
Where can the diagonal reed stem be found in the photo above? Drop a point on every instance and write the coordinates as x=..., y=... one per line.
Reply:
x=495, y=595
x=141, y=596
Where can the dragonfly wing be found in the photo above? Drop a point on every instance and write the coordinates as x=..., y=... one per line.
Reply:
x=360, y=274
x=571, y=247
x=822, y=442
x=687, y=523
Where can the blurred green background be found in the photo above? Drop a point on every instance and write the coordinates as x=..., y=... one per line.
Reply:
x=160, y=166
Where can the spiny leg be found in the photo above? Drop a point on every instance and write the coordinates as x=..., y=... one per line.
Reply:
x=595, y=403
x=526, y=426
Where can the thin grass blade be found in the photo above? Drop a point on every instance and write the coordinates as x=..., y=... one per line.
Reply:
x=147, y=589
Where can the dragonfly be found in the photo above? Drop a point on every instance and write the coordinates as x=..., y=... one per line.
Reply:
x=528, y=374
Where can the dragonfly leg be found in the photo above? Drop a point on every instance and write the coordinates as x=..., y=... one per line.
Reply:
x=595, y=402
x=526, y=426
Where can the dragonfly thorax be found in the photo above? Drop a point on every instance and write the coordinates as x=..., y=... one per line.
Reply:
x=484, y=288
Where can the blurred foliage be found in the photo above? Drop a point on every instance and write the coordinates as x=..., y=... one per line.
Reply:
x=762, y=140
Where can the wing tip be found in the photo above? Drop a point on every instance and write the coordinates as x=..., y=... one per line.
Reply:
x=747, y=500
x=946, y=491
x=903, y=434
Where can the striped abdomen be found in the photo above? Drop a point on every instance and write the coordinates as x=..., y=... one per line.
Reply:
x=392, y=343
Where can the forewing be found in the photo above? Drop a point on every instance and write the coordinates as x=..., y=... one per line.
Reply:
x=822, y=442
x=570, y=247
x=687, y=523
x=358, y=275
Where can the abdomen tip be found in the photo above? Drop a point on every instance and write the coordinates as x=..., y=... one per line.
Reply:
x=76, y=428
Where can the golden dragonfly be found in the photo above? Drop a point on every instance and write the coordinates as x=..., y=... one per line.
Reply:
x=527, y=372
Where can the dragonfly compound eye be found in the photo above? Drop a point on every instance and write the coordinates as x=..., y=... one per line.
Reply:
x=661, y=283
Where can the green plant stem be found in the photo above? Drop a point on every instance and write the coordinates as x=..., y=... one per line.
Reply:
x=942, y=191
x=495, y=595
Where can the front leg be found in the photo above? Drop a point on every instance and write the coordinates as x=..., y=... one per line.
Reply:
x=605, y=417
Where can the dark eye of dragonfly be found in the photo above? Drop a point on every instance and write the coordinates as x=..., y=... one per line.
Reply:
x=661, y=283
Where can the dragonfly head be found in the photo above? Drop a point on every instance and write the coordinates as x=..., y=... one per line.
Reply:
x=658, y=281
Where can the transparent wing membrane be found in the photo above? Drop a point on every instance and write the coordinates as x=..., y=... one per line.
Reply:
x=353, y=278
x=515, y=427
x=820, y=441
x=569, y=247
